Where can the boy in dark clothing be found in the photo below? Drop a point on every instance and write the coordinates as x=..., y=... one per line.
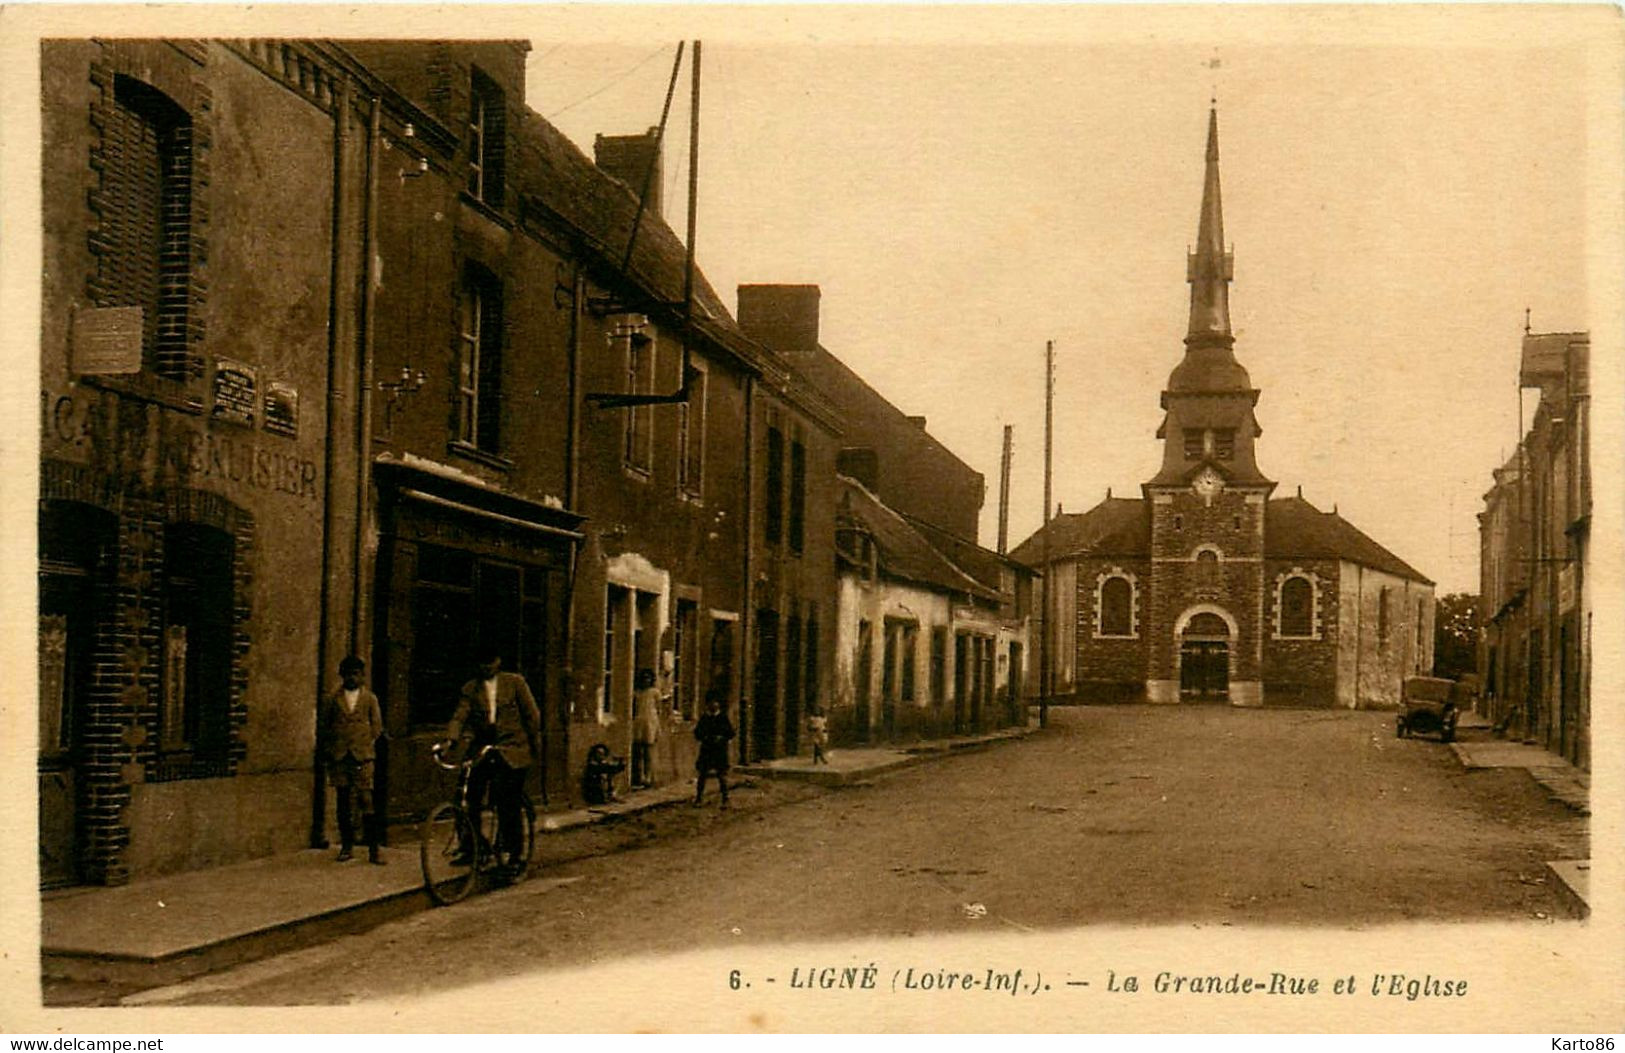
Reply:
x=598, y=779
x=714, y=731
x=348, y=729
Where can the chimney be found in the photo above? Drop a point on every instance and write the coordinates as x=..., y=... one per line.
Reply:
x=860, y=463
x=627, y=158
x=784, y=317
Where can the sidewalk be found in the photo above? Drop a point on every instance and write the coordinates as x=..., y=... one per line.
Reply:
x=854, y=764
x=1562, y=781
x=170, y=928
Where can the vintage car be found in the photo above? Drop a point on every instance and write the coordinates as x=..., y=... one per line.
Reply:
x=1430, y=705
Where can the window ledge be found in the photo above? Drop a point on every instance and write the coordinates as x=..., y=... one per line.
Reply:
x=474, y=453
x=485, y=209
x=178, y=395
x=632, y=471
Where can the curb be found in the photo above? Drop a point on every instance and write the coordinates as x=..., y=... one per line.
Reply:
x=93, y=967
x=1571, y=878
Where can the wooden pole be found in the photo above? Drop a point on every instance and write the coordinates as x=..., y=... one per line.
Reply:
x=1045, y=674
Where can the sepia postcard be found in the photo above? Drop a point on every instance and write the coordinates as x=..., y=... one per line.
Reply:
x=782, y=519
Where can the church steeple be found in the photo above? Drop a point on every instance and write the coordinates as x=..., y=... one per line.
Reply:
x=1209, y=397
x=1210, y=268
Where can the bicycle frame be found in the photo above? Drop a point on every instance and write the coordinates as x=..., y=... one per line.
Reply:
x=485, y=855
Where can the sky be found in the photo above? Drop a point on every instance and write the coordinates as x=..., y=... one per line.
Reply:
x=1396, y=195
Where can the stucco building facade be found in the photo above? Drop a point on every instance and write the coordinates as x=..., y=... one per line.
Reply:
x=1534, y=537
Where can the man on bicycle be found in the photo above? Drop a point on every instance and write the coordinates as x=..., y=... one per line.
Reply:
x=497, y=709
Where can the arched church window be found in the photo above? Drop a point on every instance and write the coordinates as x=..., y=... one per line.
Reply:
x=1116, y=607
x=1297, y=607
x=1207, y=555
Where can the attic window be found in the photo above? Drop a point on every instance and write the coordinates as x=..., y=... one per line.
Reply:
x=1224, y=443
x=1194, y=446
x=486, y=139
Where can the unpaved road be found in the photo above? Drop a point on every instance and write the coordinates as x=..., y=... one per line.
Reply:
x=1121, y=814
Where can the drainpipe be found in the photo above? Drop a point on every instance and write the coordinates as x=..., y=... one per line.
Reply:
x=572, y=499
x=363, y=441
x=1359, y=628
x=337, y=341
x=747, y=597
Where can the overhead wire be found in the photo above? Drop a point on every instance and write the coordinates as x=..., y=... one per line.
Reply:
x=611, y=82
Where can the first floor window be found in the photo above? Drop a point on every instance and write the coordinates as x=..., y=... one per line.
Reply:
x=196, y=640
x=1116, y=607
x=479, y=361
x=1297, y=607
x=146, y=261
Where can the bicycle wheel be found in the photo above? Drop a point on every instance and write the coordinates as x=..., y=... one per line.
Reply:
x=448, y=849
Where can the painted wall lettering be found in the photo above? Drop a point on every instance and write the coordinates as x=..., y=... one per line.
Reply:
x=239, y=461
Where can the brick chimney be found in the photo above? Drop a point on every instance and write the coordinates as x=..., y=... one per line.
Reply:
x=627, y=158
x=784, y=317
x=860, y=463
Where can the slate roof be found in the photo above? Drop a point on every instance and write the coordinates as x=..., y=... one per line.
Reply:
x=903, y=552
x=983, y=564
x=1293, y=528
x=1118, y=526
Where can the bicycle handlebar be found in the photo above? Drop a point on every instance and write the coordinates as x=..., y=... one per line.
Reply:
x=439, y=748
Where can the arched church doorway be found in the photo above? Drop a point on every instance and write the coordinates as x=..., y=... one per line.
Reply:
x=1204, y=659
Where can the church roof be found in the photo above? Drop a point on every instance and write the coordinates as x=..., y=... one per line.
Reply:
x=1293, y=529
x=902, y=551
x=1118, y=526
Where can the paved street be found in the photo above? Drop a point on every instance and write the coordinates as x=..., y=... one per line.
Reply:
x=1122, y=815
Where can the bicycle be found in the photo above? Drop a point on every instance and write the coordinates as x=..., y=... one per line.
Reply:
x=457, y=846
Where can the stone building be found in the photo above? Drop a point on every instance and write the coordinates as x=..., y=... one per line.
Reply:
x=1534, y=534
x=337, y=340
x=198, y=451
x=1206, y=587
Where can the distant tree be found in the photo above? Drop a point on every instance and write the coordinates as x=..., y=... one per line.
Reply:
x=1455, y=635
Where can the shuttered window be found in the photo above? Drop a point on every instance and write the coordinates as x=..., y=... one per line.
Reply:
x=145, y=238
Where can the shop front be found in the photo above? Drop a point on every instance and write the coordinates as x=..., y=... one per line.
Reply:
x=464, y=568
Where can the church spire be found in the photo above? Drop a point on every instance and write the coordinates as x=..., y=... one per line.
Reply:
x=1210, y=268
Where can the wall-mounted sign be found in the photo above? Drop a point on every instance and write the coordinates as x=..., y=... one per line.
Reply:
x=107, y=340
x=236, y=388
x=282, y=409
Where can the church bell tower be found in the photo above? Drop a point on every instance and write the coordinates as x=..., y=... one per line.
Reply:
x=1207, y=500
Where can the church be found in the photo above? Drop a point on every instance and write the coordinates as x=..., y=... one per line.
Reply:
x=1207, y=588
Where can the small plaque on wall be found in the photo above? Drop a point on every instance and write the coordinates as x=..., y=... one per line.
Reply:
x=107, y=340
x=282, y=409
x=236, y=388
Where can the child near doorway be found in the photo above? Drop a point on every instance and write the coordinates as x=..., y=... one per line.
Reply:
x=818, y=734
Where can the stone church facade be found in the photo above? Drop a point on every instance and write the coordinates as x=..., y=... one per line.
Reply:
x=1207, y=587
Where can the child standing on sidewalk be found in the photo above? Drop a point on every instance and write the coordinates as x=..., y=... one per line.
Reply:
x=646, y=707
x=714, y=731
x=818, y=734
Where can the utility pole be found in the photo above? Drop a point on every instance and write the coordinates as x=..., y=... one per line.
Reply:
x=1045, y=676
x=1004, y=493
